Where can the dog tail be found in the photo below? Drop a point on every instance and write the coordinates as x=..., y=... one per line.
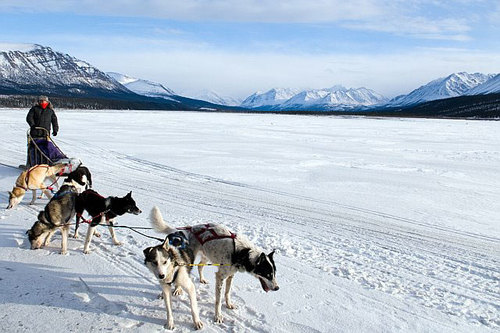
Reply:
x=158, y=223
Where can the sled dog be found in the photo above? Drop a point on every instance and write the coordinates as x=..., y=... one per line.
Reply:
x=80, y=178
x=171, y=265
x=33, y=179
x=233, y=252
x=102, y=209
x=56, y=215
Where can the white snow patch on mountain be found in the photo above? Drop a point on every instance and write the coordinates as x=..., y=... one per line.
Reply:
x=274, y=96
x=213, y=97
x=456, y=84
x=328, y=98
x=489, y=87
x=143, y=87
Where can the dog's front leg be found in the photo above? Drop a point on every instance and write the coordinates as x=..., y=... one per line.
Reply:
x=112, y=232
x=88, y=239
x=167, y=297
x=33, y=197
x=195, y=313
x=219, y=280
x=203, y=261
x=47, y=193
x=46, y=242
x=53, y=179
x=64, y=232
x=77, y=224
x=227, y=294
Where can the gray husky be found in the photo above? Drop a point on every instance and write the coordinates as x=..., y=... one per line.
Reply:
x=172, y=265
x=231, y=252
x=56, y=215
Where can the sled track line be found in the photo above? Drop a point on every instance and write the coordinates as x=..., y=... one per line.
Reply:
x=326, y=222
x=296, y=196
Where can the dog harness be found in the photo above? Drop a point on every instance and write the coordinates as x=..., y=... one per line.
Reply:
x=206, y=233
x=26, y=179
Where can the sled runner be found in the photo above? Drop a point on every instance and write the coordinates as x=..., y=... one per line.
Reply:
x=42, y=150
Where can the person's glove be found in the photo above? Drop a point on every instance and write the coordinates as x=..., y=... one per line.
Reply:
x=54, y=133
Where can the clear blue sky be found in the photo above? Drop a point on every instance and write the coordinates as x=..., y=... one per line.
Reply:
x=238, y=47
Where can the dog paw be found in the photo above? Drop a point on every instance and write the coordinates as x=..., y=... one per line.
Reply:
x=75, y=236
x=169, y=325
x=63, y=252
x=97, y=233
x=218, y=319
x=117, y=243
x=203, y=281
x=86, y=251
x=231, y=306
x=160, y=296
x=178, y=291
x=198, y=325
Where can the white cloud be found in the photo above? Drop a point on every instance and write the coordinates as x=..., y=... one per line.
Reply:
x=239, y=74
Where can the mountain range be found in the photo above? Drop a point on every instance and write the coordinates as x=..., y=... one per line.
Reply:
x=342, y=99
x=31, y=69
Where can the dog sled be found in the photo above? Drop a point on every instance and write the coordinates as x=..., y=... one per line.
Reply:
x=43, y=150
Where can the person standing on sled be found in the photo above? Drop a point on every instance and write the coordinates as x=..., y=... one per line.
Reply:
x=42, y=115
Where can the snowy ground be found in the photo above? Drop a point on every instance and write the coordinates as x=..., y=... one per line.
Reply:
x=382, y=225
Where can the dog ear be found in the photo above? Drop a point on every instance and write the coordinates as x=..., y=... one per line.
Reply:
x=147, y=251
x=270, y=255
x=165, y=243
x=129, y=195
x=261, y=258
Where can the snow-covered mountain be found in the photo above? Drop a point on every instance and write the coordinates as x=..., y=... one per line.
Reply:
x=334, y=98
x=32, y=68
x=337, y=97
x=491, y=86
x=214, y=97
x=142, y=87
x=456, y=84
x=272, y=97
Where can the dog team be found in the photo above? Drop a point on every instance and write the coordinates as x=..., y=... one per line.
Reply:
x=171, y=261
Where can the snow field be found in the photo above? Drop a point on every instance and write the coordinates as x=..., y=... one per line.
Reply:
x=380, y=224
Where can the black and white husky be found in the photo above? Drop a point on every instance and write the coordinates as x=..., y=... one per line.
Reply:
x=232, y=252
x=80, y=178
x=56, y=215
x=102, y=209
x=171, y=266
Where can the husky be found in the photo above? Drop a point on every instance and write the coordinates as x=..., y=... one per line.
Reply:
x=172, y=265
x=33, y=179
x=231, y=252
x=80, y=178
x=102, y=209
x=56, y=215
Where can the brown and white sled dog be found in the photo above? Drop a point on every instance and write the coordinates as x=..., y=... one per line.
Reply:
x=56, y=215
x=232, y=252
x=171, y=266
x=33, y=179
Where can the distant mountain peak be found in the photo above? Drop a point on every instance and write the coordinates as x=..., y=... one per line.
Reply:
x=32, y=68
x=336, y=97
x=141, y=86
x=453, y=85
x=213, y=97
